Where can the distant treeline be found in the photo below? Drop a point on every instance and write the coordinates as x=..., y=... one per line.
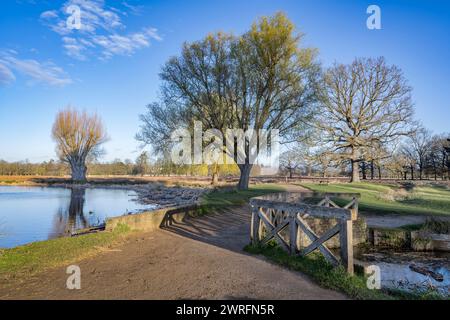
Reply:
x=25, y=168
x=419, y=156
x=116, y=167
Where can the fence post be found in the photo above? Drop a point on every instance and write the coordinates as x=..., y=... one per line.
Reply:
x=346, y=242
x=299, y=236
x=292, y=232
x=327, y=201
x=255, y=226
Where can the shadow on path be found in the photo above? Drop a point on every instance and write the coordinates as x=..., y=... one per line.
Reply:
x=228, y=229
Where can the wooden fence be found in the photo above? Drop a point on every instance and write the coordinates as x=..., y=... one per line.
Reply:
x=282, y=217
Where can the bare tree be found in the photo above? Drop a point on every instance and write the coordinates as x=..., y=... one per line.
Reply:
x=142, y=164
x=365, y=103
x=290, y=161
x=436, y=157
x=409, y=159
x=323, y=160
x=78, y=137
x=420, y=145
x=397, y=166
x=374, y=157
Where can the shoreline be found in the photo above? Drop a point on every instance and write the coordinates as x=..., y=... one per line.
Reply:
x=151, y=193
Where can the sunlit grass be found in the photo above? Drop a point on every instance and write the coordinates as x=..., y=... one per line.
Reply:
x=392, y=199
x=221, y=199
x=38, y=256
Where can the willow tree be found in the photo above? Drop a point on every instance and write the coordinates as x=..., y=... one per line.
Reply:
x=261, y=80
x=365, y=103
x=78, y=136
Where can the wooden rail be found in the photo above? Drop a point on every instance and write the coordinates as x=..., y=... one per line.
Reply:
x=287, y=212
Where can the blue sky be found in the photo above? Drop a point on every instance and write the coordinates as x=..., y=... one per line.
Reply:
x=111, y=66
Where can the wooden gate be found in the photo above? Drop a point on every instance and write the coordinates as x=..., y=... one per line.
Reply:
x=287, y=213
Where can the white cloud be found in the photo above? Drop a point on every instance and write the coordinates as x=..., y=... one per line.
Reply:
x=74, y=48
x=38, y=72
x=101, y=30
x=125, y=44
x=153, y=33
x=94, y=17
x=136, y=10
x=6, y=75
x=49, y=14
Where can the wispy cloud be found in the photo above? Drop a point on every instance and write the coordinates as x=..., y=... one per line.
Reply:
x=94, y=17
x=136, y=10
x=6, y=75
x=37, y=72
x=49, y=14
x=125, y=44
x=102, y=30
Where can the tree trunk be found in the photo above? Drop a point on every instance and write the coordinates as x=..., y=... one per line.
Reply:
x=290, y=173
x=245, y=176
x=79, y=170
x=372, y=170
x=309, y=171
x=379, y=172
x=215, y=175
x=363, y=169
x=355, y=171
x=412, y=173
x=215, y=179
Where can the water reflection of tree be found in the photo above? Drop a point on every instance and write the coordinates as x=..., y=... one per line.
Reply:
x=71, y=217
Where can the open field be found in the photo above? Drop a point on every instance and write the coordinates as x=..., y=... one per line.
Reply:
x=394, y=198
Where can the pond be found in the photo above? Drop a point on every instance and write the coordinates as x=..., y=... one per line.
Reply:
x=404, y=270
x=29, y=214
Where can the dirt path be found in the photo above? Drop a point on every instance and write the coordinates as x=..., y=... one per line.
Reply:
x=199, y=259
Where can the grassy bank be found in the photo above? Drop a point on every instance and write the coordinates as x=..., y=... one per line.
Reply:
x=394, y=199
x=39, y=256
x=220, y=199
x=325, y=275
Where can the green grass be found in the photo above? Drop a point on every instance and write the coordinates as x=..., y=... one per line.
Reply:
x=220, y=199
x=327, y=276
x=393, y=199
x=38, y=256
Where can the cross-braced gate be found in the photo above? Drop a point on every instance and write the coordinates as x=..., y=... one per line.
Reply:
x=286, y=213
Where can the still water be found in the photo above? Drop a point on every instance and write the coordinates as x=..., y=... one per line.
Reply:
x=396, y=271
x=29, y=214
